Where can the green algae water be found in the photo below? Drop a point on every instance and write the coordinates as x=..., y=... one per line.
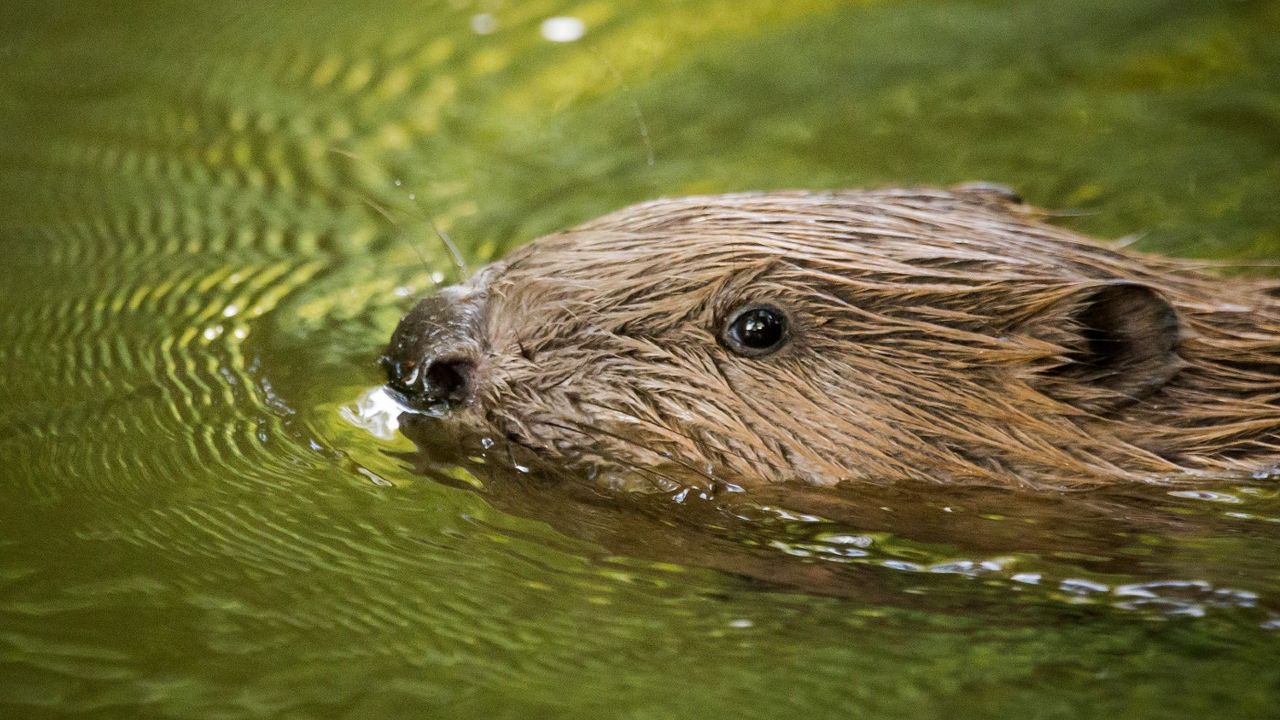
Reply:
x=212, y=216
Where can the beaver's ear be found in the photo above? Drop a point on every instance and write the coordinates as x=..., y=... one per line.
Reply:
x=1120, y=342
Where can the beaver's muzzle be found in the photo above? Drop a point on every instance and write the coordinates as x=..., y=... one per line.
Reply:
x=431, y=361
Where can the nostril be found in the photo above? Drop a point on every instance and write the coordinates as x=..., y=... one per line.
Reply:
x=401, y=375
x=449, y=379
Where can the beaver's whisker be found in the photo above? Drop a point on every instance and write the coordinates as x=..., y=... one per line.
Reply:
x=387, y=215
x=587, y=429
x=464, y=274
x=654, y=476
x=545, y=465
x=450, y=247
x=381, y=210
x=635, y=108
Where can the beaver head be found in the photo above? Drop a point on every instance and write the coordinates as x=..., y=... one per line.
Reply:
x=849, y=336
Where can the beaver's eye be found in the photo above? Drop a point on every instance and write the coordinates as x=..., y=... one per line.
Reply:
x=755, y=330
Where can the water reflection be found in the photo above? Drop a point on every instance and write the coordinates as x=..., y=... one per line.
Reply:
x=912, y=545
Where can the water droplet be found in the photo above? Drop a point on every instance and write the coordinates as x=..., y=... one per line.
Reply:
x=484, y=24
x=1079, y=586
x=855, y=540
x=955, y=567
x=1206, y=495
x=563, y=29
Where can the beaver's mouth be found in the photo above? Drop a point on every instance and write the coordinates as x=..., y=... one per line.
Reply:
x=447, y=438
x=415, y=405
x=433, y=385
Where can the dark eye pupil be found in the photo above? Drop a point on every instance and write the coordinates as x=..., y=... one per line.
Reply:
x=760, y=328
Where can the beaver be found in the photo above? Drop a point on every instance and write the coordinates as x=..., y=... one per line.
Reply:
x=950, y=336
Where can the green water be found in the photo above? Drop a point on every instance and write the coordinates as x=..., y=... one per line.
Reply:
x=212, y=215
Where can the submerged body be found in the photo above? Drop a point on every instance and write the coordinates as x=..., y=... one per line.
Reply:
x=852, y=336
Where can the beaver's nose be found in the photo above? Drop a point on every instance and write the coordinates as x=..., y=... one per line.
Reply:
x=434, y=351
x=445, y=379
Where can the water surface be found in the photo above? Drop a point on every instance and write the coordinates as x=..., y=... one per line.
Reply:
x=212, y=215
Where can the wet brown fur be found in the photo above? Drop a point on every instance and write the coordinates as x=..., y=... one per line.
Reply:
x=936, y=335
